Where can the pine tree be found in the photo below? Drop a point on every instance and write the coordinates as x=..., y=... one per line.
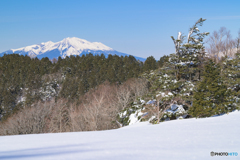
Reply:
x=163, y=60
x=190, y=54
x=231, y=76
x=150, y=64
x=230, y=72
x=211, y=96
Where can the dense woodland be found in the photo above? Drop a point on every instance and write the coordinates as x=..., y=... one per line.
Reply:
x=70, y=78
x=97, y=92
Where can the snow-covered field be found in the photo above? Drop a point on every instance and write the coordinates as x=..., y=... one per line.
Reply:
x=177, y=139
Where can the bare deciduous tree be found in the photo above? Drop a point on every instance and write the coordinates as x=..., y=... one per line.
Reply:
x=138, y=87
x=123, y=96
x=220, y=44
x=97, y=111
x=237, y=42
x=60, y=120
x=99, y=108
x=28, y=121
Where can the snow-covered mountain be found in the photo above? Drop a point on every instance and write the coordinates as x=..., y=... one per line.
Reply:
x=177, y=139
x=66, y=47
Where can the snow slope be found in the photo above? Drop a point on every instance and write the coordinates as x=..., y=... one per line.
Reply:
x=177, y=139
x=66, y=47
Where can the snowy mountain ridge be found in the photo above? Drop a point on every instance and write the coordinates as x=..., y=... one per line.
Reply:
x=66, y=47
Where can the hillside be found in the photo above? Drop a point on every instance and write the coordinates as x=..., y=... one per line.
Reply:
x=178, y=139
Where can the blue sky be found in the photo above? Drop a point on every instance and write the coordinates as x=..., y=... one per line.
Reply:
x=138, y=27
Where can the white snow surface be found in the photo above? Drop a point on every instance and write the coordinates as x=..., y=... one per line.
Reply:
x=176, y=139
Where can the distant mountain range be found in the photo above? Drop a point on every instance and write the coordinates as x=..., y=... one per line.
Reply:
x=66, y=47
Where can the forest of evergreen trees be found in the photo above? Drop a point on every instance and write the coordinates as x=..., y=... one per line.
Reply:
x=32, y=79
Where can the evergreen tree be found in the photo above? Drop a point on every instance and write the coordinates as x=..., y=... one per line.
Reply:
x=211, y=96
x=190, y=54
x=231, y=73
x=162, y=60
x=150, y=64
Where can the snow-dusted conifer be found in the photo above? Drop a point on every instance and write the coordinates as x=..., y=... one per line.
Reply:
x=190, y=54
x=231, y=76
x=211, y=96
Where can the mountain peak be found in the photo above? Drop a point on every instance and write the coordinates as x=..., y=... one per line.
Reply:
x=66, y=47
x=73, y=39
